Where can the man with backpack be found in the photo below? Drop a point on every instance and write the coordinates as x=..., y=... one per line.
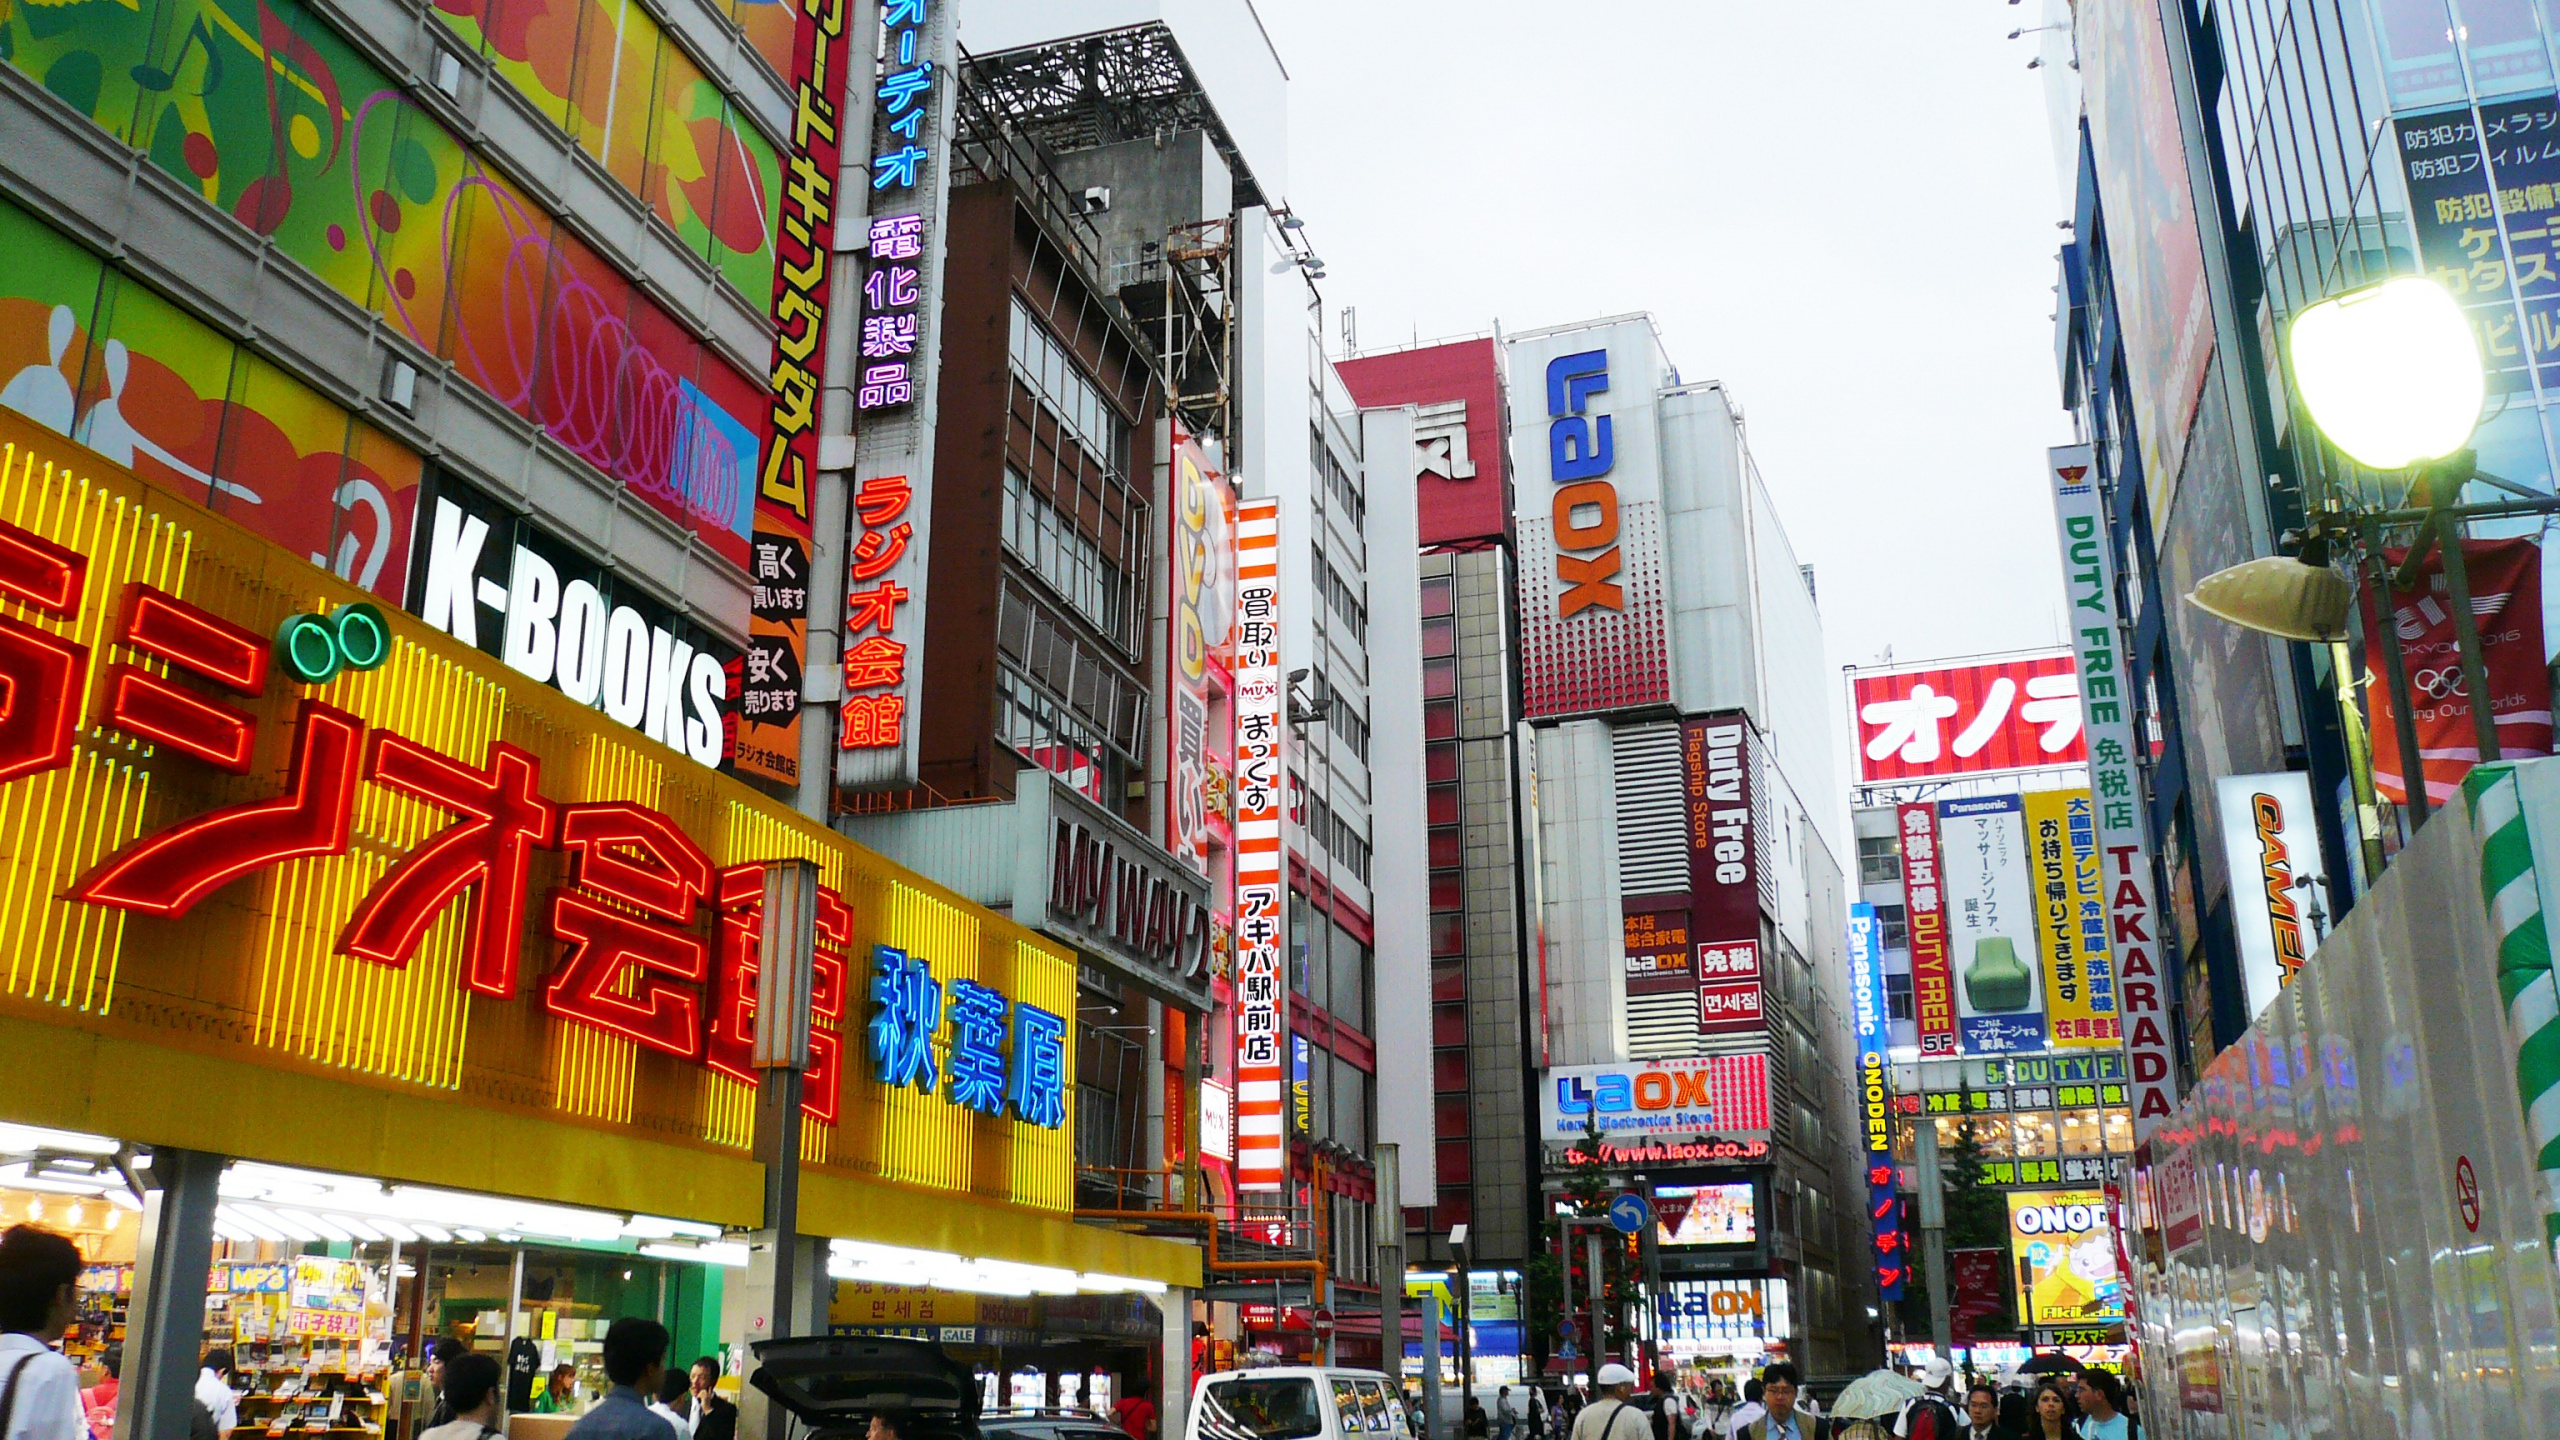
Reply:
x=1612, y=1414
x=39, y=1290
x=1670, y=1417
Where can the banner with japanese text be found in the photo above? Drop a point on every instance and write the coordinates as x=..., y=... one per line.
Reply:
x=1943, y=720
x=2116, y=753
x=779, y=548
x=895, y=359
x=2071, y=920
x=1261, y=979
x=1991, y=924
x=1933, y=994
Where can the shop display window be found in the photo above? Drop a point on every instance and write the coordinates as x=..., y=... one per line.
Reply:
x=2083, y=1133
x=2034, y=1134
x=2119, y=1132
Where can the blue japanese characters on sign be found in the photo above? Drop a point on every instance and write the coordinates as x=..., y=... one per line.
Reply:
x=2484, y=193
x=975, y=1073
x=892, y=293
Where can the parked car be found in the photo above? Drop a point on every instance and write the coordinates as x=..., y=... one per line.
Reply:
x=1295, y=1402
x=1048, y=1423
x=835, y=1383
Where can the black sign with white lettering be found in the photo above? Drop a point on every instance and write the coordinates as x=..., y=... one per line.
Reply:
x=487, y=577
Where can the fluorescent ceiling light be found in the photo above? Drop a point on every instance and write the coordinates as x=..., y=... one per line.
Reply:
x=20, y=1139
x=732, y=1255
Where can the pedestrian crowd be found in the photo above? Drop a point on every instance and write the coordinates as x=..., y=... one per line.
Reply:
x=41, y=1397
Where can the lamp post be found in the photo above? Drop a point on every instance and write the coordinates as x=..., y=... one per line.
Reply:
x=2392, y=376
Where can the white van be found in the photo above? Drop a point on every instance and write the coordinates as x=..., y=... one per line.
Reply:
x=1296, y=1402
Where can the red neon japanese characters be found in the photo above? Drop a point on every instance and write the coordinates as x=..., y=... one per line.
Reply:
x=729, y=1041
x=39, y=701
x=639, y=857
x=505, y=818
x=169, y=872
x=41, y=573
x=166, y=713
x=658, y=1012
x=202, y=641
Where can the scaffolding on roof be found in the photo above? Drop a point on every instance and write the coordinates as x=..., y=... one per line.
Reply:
x=1101, y=89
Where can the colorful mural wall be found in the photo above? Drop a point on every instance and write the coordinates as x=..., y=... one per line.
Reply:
x=613, y=81
x=88, y=352
x=285, y=128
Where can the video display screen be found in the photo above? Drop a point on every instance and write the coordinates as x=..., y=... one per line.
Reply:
x=1707, y=1214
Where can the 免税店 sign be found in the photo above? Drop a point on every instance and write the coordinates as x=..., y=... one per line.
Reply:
x=292, y=827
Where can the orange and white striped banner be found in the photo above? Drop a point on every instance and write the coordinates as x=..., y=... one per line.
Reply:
x=1261, y=982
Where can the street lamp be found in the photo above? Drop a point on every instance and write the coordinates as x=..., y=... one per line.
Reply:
x=2391, y=374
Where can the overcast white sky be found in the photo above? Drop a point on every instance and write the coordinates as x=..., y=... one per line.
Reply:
x=1842, y=208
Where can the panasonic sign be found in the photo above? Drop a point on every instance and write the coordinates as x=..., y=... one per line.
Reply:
x=492, y=582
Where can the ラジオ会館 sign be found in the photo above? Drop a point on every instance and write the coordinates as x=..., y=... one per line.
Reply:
x=290, y=877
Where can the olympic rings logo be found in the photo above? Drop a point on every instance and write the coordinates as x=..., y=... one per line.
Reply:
x=2439, y=684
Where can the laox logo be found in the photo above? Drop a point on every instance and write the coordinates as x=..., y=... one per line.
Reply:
x=1581, y=449
x=1618, y=1092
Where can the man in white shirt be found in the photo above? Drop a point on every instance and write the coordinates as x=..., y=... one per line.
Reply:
x=213, y=1389
x=39, y=1298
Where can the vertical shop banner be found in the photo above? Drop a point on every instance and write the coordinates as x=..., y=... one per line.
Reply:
x=1933, y=994
x=1991, y=924
x=2115, y=784
x=2071, y=921
x=1976, y=1293
x=778, y=602
x=1657, y=947
x=894, y=360
x=1262, y=984
x=2506, y=605
x=2063, y=1247
x=1875, y=1096
x=1724, y=870
x=2271, y=841
x=2140, y=159
x=2484, y=195
x=1197, y=654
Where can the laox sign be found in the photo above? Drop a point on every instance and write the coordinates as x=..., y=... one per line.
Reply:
x=1581, y=450
x=1115, y=896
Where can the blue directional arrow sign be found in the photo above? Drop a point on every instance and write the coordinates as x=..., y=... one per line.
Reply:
x=1629, y=1213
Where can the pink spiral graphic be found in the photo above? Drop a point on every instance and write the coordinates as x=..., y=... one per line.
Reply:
x=561, y=353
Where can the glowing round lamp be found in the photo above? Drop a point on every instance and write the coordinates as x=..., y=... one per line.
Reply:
x=2391, y=373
